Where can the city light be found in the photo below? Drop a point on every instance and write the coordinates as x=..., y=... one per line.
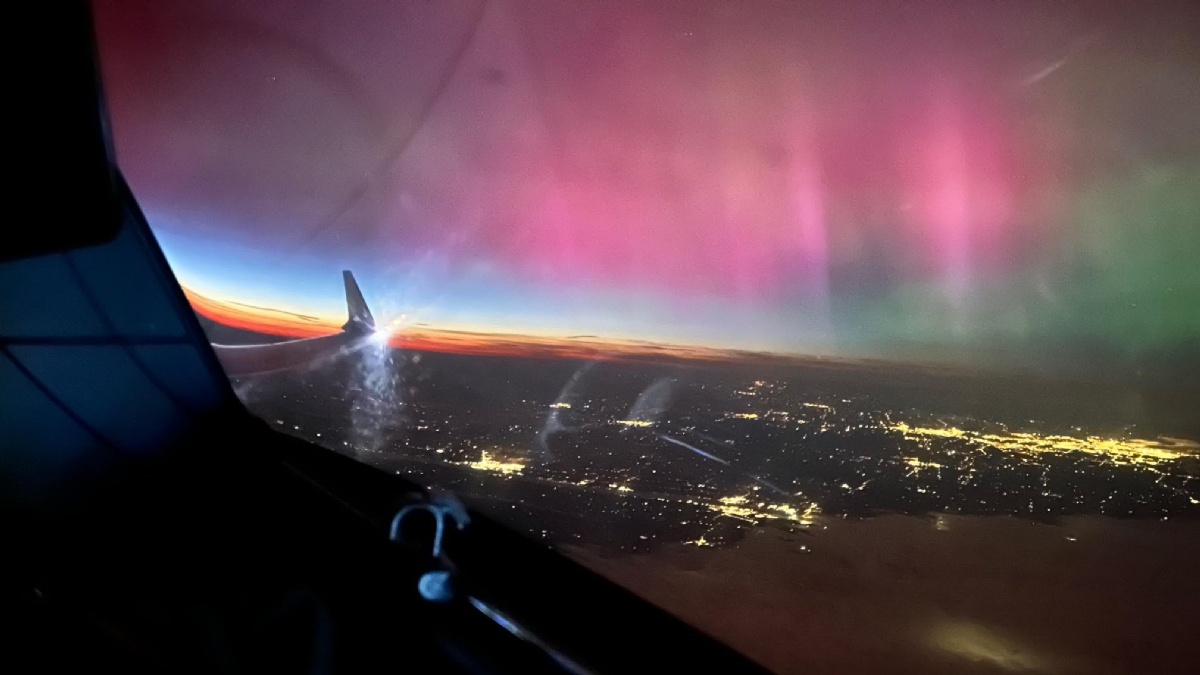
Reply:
x=487, y=462
x=1138, y=451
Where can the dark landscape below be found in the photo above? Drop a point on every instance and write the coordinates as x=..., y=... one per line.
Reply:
x=818, y=520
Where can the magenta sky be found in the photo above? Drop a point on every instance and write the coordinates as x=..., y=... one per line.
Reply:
x=851, y=178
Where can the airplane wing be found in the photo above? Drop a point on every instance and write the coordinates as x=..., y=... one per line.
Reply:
x=240, y=360
x=360, y=317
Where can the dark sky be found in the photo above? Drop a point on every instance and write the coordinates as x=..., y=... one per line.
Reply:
x=999, y=184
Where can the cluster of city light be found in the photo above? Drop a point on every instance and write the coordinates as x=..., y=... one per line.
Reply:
x=916, y=465
x=1116, y=450
x=633, y=423
x=489, y=462
x=752, y=390
x=749, y=510
x=791, y=513
x=560, y=404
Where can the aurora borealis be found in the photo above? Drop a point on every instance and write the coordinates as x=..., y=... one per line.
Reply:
x=1003, y=185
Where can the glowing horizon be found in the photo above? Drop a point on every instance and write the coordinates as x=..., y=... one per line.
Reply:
x=284, y=323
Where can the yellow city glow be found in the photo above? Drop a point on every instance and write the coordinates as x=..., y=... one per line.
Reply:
x=1116, y=450
x=746, y=416
x=734, y=508
x=560, y=404
x=699, y=542
x=634, y=423
x=619, y=488
x=741, y=508
x=805, y=517
x=487, y=463
x=918, y=464
x=821, y=406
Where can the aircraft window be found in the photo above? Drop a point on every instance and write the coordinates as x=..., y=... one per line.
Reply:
x=863, y=335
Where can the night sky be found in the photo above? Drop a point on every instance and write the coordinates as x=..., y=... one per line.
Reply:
x=1000, y=184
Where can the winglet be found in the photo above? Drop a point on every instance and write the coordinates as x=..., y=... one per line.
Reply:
x=360, y=320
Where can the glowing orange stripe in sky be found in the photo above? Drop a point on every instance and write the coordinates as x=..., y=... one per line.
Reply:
x=277, y=322
x=425, y=338
x=509, y=344
x=258, y=319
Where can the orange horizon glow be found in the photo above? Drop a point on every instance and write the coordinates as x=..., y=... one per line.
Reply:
x=259, y=319
x=289, y=324
x=421, y=338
